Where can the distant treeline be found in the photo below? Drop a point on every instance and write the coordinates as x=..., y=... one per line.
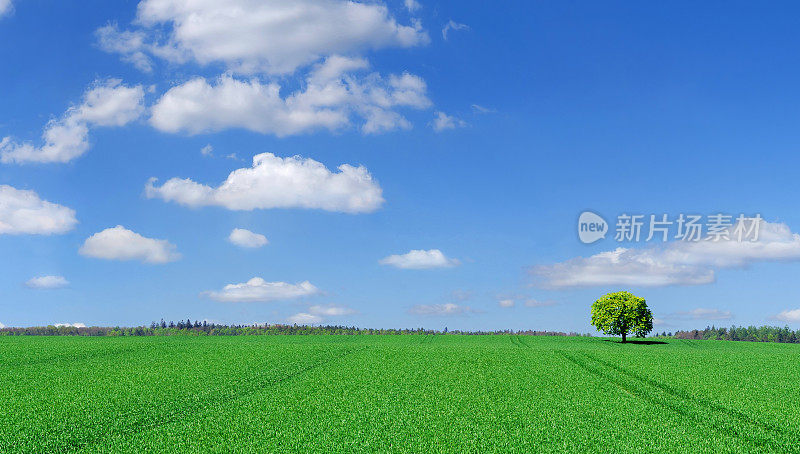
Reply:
x=189, y=328
x=740, y=333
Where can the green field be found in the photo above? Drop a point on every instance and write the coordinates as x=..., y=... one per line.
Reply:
x=396, y=393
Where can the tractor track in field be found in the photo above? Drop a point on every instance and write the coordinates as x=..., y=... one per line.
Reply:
x=689, y=343
x=670, y=398
x=516, y=339
x=649, y=389
x=709, y=404
x=241, y=388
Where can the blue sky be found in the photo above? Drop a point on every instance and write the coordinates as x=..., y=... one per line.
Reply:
x=478, y=151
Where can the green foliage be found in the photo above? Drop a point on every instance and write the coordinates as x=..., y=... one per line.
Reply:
x=425, y=393
x=622, y=313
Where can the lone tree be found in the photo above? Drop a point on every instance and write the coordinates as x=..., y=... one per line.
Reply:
x=622, y=313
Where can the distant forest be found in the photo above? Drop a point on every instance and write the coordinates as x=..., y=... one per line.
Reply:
x=189, y=328
x=740, y=333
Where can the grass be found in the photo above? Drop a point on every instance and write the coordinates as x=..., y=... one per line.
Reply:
x=396, y=393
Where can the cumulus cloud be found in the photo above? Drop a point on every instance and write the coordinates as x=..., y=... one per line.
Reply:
x=6, y=7
x=700, y=314
x=791, y=315
x=22, y=211
x=110, y=103
x=506, y=303
x=418, y=259
x=444, y=121
x=105, y=103
x=47, y=282
x=676, y=263
x=412, y=5
x=322, y=40
x=259, y=290
x=451, y=25
x=2, y=326
x=332, y=99
x=275, y=182
x=317, y=314
x=331, y=311
x=207, y=150
x=246, y=238
x=119, y=243
x=132, y=46
x=439, y=310
x=304, y=318
x=256, y=36
x=73, y=325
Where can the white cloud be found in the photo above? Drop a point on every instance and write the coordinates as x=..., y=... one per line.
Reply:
x=506, y=303
x=792, y=315
x=197, y=106
x=275, y=182
x=444, y=121
x=334, y=68
x=331, y=100
x=330, y=311
x=412, y=5
x=2, y=326
x=47, y=282
x=439, y=309
x=105, y=103
x=622, y=266
x=6, y=7
x=451, y=25
x=22, y=211
x=73, y=325
x=317, y=314
x=246, y=238
x=537, y=303
x=207, y=150
x=109, y=103
x=131, y=45
x=257, y=36
x=676, y=263
x=119, y=243
x=483, y=110
x=64, y=140
x=700, y=314
x=304, y=318
x=259, y=290
x=420, y=259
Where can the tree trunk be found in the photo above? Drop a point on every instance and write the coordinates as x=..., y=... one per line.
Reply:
x=624, y=335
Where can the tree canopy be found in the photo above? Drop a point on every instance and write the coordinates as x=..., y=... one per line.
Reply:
x=622, y=313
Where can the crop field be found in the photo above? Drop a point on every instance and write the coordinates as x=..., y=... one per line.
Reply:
x=396, y=393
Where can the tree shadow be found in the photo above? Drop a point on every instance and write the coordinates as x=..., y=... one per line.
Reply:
x=635, y=342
